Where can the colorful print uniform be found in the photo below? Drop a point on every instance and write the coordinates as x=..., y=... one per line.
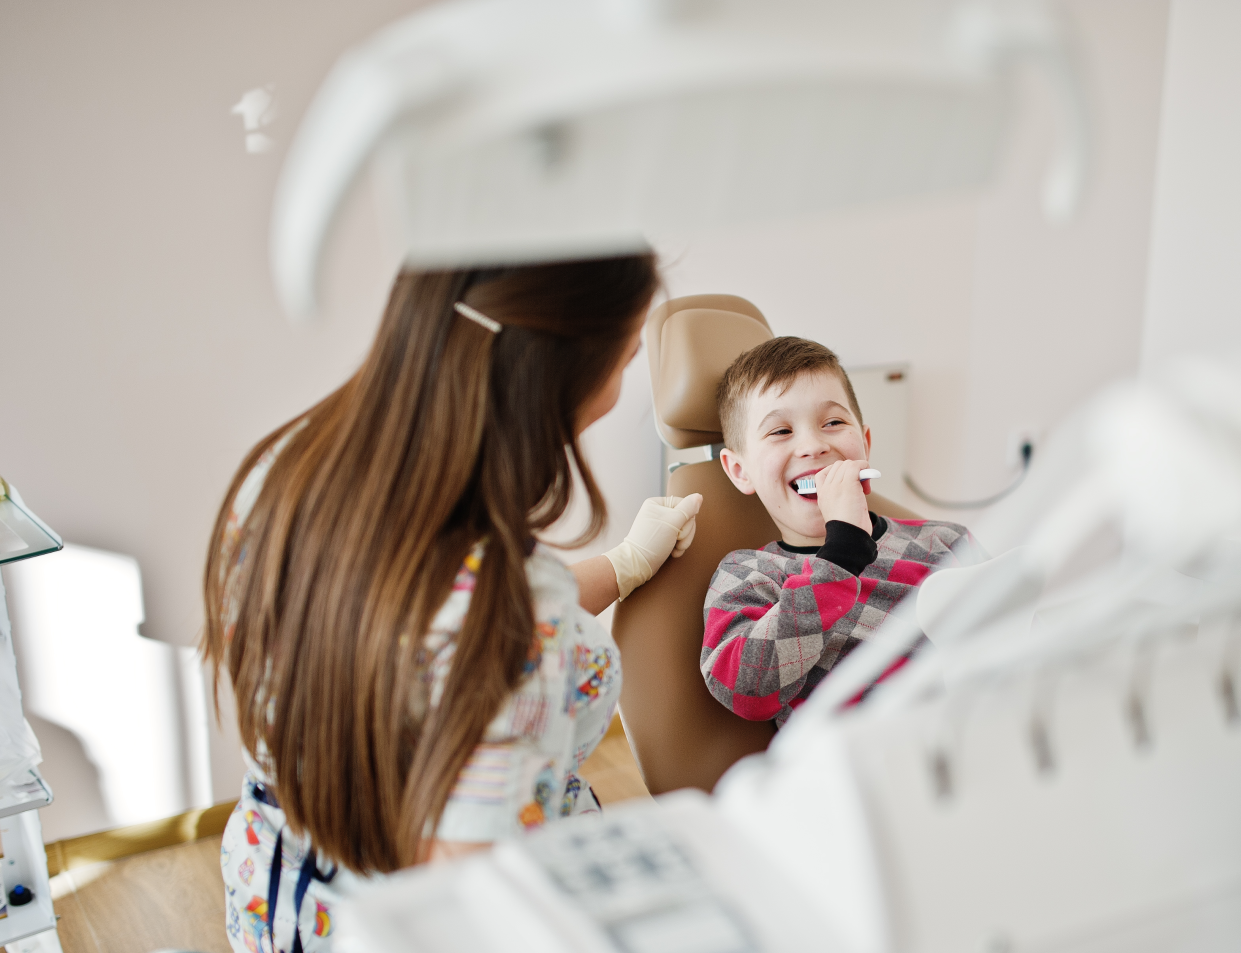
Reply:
x=779, y=618
x=521, y=776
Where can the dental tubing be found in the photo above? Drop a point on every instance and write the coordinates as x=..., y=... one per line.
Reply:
x=664, y=527
x=806, y=485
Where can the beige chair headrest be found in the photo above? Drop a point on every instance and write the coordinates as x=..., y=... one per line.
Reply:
x=691, y=341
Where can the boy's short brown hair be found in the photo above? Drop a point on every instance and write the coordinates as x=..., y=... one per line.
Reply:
x=772, y=363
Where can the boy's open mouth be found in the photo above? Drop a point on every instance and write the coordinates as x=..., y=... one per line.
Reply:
x=804, y=487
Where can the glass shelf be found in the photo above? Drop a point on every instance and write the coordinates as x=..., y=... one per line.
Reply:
x=22, y=534
x=27, y=793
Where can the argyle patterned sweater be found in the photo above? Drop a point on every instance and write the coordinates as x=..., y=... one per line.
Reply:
x=779, y=618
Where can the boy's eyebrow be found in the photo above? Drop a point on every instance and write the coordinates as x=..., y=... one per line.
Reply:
x=781, y=412
x=778, y=412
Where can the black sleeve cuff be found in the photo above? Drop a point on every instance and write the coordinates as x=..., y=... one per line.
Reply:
x=848, y=546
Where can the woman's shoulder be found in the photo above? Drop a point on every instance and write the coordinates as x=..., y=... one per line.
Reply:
x=558, y=615
x=548, y=575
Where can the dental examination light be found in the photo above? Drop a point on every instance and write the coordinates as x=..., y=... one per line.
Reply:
x=524, y=130
x=1068, y=782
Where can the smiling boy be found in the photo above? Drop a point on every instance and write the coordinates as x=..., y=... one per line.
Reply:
x=778, y=619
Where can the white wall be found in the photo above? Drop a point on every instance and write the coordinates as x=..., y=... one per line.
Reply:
x=123, y=730
x=1194, y=301
x=142, y=352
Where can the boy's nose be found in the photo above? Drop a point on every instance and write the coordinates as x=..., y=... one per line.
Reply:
x=812, y=446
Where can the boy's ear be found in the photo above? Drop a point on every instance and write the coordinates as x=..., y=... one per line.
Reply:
x=866, y=437
x=734, y=466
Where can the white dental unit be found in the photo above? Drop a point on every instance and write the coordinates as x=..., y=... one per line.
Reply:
x=1064, y=772
x=517, y=130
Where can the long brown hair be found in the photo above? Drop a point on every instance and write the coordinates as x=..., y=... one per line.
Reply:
x=447, y=435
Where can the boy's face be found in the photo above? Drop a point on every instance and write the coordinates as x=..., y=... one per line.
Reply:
x=792, y=434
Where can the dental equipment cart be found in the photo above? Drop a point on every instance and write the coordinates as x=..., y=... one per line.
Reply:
x=27, y=920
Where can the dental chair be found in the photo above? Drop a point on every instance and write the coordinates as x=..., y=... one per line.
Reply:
x=680, y=735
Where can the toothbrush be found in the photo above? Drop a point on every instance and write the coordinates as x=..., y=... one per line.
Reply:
x=805, y=485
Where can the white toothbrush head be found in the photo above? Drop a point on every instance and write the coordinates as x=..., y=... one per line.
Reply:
x=806, y=486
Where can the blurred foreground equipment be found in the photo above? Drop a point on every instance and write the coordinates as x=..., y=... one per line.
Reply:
x=521, y=130
x=1062, y=772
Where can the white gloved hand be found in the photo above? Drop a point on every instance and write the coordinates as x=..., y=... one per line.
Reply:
x=664, y=527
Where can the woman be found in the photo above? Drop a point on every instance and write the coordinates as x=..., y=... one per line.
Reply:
x=415, y=676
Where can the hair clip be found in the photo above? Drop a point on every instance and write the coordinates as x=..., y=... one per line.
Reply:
x=477, y=317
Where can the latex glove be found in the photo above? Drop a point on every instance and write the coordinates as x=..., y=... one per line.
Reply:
x=664, y=527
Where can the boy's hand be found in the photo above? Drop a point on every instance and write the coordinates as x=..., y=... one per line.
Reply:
x=841, y=496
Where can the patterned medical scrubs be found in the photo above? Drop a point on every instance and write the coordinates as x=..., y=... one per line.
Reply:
x=521, y=776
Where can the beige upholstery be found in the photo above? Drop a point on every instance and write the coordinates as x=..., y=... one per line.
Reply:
x=690, y=342
x=681, y=736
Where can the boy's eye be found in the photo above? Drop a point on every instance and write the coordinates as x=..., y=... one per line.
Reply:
x=779, y=431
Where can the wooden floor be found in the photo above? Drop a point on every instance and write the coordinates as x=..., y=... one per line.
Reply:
x=611, y=770
x=164, y=899
x=173, y=899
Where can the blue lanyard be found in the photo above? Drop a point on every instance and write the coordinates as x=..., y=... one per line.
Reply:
x=308, y=872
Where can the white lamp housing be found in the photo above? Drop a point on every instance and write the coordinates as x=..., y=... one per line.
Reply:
x=522, y=130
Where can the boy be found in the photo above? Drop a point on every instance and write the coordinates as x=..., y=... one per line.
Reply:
x=778, y=619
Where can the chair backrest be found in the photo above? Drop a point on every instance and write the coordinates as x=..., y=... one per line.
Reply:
x=681, y=736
